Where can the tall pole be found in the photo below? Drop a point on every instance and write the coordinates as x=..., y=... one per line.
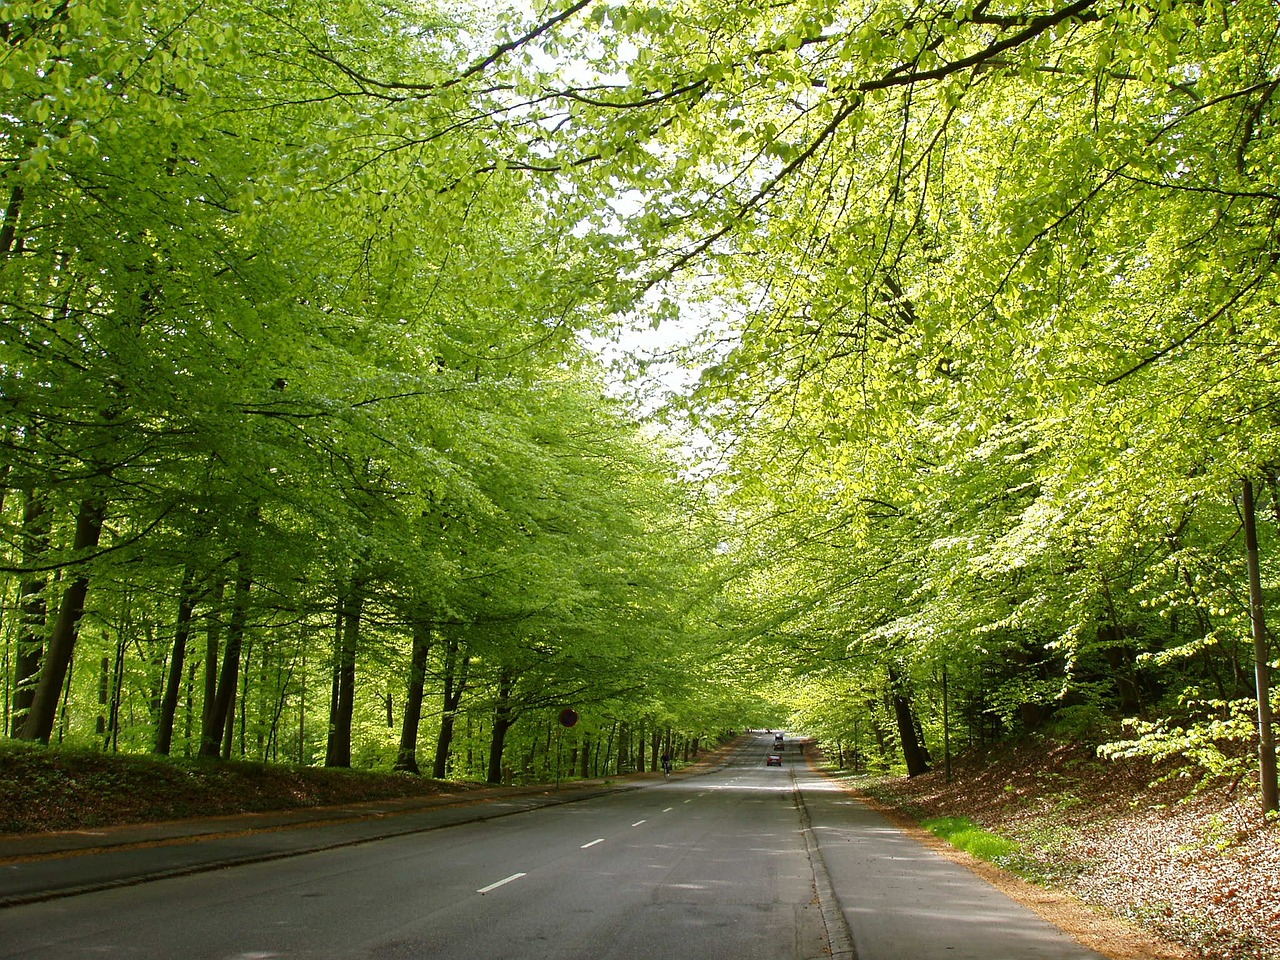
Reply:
x=559, y=732
x=1261, y=657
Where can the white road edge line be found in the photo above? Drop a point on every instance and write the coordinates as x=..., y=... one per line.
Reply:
x=592, y=843
x=495, y=886
x=638, y=822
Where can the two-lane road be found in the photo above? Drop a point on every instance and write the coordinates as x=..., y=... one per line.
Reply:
x=748, y=862
x=699, y=867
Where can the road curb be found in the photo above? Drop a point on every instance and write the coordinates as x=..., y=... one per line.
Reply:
x=839, y=936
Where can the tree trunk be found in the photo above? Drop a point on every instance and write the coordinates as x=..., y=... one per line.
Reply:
x=181, y=633
x=62, y=641
x=912, y=744
x=104, y=697
x=215, y=737
x=455, y=684
x=608, y=748
x=209, y=705
x=351, y=605
x=33, y=610
x=112, y=739
x=1122, y=659
x=1261, y=658
x=9, y=240
x=407, y=758
x=502, y=721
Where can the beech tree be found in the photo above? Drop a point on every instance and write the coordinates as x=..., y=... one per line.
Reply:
x=317, y=322
x=952, y=240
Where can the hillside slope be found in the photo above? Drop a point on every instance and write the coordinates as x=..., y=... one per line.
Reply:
x=44, y=790
x=1199, y=868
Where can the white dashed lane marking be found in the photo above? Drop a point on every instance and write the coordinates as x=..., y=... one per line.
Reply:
x=503, y=882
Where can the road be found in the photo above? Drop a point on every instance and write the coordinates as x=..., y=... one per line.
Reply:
x=746, y=862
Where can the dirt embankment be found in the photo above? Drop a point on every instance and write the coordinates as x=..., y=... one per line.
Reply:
x=1200, y=869
x=43, y=790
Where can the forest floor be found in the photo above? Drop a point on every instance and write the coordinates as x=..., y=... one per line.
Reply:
x=1200, y=868
x=45, y=790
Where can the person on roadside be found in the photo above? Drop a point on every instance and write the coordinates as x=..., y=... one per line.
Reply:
x=666, y=764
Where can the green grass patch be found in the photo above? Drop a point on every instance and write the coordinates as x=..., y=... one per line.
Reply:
x=963, y=833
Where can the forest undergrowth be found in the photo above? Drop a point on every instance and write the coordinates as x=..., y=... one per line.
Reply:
x=1198, y=867
x=46, y=790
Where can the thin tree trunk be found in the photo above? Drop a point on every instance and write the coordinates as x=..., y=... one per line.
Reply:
x=216, y=737
x=608, y=748
x=455, y=683
x=177, y=660
x=112, y=740
x=502, y=722
x=62, y=641
x=33, y=610
x=242, y=703
x=9, y=225
x=210, y=738
x=407, y=757
x=104, y=696
x=351, y=605
x=1261, y=658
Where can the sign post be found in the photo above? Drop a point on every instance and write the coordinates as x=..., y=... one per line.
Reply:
x=568, y=717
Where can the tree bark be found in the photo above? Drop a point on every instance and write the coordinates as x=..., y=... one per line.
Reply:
x=216, y=732
x=912, y=744
x=1261, y=658
x=351, y=605
x=455, y=684
x=33, y=610
x=62, y=641
x=9, y=241
x=212, y=645
x=503, y=720
x=407, y=758
x=177, y=660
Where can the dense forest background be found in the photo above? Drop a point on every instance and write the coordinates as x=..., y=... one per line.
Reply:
x=307, y=455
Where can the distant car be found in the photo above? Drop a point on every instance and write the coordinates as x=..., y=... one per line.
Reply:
x=773, y=760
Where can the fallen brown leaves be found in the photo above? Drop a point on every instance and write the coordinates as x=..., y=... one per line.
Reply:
x=1201, y=869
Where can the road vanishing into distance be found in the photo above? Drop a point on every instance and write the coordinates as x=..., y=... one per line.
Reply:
x=743, y=862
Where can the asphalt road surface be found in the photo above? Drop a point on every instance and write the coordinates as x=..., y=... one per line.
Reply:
x=747, y=862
